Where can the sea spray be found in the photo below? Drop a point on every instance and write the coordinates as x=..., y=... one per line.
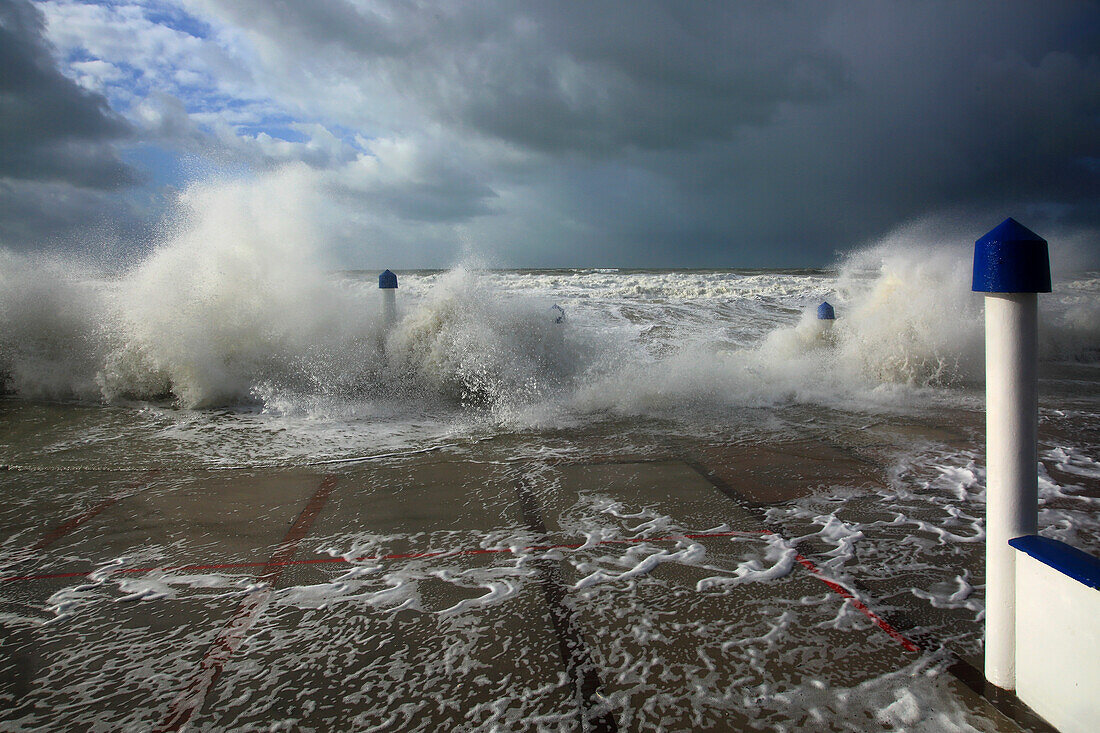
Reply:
x=51, y=333
x=464, y=340
x=237, y=305
x=237, y=298
x=911, y=317
x=902, y=323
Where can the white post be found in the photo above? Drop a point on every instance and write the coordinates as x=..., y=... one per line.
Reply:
x=826, y=317
x=389, y=306
x=1010, y=266
x=387, y=283
x=1012, y=403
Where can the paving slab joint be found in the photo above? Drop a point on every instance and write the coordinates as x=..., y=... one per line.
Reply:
x=574, y=652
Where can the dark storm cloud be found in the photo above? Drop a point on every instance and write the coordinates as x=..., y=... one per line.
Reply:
x=590, y=77
x=728, y=133
x=62, y=183
x=559, y=133
x=37, y=215
x=50, y=128
x=965, y=109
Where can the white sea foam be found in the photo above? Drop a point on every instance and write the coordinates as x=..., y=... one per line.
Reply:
x=780, y=554
x=236, y=306
x=675, y=652
x=1069, y=460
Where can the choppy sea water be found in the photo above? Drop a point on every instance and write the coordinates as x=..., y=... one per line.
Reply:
x=208, y=357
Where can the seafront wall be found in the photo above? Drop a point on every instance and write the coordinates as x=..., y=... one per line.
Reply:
x=1057, y=632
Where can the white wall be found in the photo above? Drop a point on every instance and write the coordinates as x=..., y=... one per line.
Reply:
x=1057, y=646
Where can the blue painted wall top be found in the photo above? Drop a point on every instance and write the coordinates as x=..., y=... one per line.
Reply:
x=1068, y=560
x=825, y=312
x=387, y=280
x=1011, y=259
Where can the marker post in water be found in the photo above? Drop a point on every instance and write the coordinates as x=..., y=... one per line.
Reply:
x=826, y=317
x=1011, y=265
x=387, y=283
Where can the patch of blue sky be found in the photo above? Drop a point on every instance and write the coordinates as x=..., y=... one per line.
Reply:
x=199, y=98
x=239, y=112
x=122, y=90
x=200, y=95
x=108, y=3
x=160, y=166
x=162, y=13
x=176, y=18
x=79, y=54
x=285, y=127
x=164, y=169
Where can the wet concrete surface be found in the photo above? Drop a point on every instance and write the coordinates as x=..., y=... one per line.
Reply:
x=440, y=592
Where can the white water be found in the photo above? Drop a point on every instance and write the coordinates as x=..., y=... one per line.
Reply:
x=715, y=652
x=238, y=307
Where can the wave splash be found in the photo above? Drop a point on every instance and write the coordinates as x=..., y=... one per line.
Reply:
x=238, y=306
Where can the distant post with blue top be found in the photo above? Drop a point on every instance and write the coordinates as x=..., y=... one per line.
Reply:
x=826, y=317
x=1011, y=265
x=387, y=283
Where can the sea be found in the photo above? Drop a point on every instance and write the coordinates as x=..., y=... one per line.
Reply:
x=215, y=353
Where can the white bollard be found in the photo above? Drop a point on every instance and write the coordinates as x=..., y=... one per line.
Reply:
x=1011, y=265
x=1011, y=493
x=387, y=283
x=826, y=317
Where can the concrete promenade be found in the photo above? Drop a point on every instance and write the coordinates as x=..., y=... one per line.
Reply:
x=452, y=592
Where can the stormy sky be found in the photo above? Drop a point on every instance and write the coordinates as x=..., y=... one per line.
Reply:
x=541, y=134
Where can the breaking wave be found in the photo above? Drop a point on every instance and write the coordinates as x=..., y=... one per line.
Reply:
x=237, y=305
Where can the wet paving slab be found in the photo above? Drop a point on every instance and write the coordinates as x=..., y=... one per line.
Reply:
x=437, y=593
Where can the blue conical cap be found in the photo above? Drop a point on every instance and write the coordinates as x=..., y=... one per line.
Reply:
x=1011, y=259
x=1010, y=230
x=825, y=312
x=387, y=280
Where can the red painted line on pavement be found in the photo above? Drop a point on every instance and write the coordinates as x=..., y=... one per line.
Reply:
x=272, y=563
x=67, y=527
x=190, y=701
x=858, y=604
x=848, y=595
x=289, y=546
x=63, y=529
x=50, y=576
x=282, y=558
